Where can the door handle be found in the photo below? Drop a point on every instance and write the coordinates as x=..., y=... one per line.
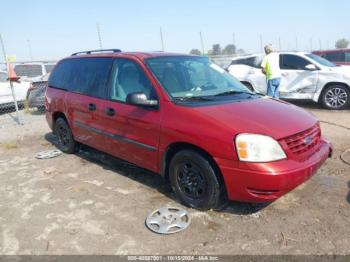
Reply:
x=110, y=111
x=92, y=107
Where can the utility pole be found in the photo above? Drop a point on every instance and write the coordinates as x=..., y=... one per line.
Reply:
x=99, y=35
x=296, y=43
x=161, y=38
x=261, y=43
x=30, y=50
x=3, y=49
x=11, y=84
x=234, y=39
x=279, y=43
x=319, y=41
x=202, y=43
x=310, y=44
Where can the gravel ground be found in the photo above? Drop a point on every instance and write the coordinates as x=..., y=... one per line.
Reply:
x=92, y=203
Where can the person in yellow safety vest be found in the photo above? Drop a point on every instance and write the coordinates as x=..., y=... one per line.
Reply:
x=270, y=66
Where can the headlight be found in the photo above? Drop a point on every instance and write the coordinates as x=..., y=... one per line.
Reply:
x=258, y=148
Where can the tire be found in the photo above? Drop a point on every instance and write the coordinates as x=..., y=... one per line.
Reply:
x=194, y=181
x=335, y=97
x=64, y=134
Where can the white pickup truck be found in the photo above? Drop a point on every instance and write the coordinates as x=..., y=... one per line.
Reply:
x=20, y=89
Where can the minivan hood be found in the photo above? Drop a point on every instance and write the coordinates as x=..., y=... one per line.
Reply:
x=274, y=118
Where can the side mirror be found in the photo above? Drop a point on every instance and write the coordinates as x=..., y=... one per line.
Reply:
x=140, y=99
x=311, y=67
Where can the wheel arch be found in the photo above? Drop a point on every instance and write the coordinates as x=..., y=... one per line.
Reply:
x=331, y=84
x=174, y=148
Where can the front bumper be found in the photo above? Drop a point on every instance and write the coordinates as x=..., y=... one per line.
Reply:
x=263, y=182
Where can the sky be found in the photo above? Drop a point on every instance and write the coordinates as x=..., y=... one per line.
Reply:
x=50, y=30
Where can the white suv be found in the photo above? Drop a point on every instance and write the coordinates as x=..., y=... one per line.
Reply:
x=304, y=76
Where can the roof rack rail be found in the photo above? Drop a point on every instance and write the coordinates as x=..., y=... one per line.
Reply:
x=97, y=51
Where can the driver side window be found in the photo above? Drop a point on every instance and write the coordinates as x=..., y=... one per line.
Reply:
x=128, y=77
x=293, y=62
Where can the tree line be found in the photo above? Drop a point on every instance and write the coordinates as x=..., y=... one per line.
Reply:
x=216, y=49
x=231, y=49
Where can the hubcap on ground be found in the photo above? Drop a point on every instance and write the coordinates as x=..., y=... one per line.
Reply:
x=336, y=97
x=168, y=220
x=191, y=181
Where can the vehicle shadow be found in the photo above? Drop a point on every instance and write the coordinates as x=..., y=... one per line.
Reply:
x=148, y=178
x=348, y=196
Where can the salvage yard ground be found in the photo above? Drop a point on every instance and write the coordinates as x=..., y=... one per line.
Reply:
x=92, y=203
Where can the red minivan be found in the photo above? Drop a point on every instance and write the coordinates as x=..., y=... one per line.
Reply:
x=337, y=56
x=187, y=119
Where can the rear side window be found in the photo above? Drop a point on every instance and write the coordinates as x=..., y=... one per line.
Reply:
x=335, y=57
x=49, y=68
x=28, y=70
x=3, y=77
x=293, y=62
x=88, y=76
x=254, y=61
x=347, y=56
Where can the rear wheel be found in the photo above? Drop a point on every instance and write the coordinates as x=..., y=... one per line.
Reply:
x=194, y=181
x=64, y=134
x=335, y=97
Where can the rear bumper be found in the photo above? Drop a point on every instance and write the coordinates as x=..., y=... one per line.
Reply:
x=263, y=182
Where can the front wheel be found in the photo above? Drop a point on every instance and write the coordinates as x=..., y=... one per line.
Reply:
x=335, y=97
x=64, y=134
x=194, y=181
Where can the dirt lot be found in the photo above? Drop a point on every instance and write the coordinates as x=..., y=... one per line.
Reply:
x=91, y=203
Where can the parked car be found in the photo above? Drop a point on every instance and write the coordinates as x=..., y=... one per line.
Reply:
x=33, y=71
x=36, y=93
x=187, y=119
x=337, y=56
x=304, y=76
x=6, y=98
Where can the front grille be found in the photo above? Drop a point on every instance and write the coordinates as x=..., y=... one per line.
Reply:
x=304, y=141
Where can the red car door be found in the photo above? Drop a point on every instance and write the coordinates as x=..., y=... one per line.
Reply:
x=88, y=84
x=133, y=131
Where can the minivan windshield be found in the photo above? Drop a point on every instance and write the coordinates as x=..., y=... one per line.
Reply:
x=320, y=60
x=191, y=77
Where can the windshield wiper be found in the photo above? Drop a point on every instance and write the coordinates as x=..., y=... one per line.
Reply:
x=233, y=92
x=193, y=98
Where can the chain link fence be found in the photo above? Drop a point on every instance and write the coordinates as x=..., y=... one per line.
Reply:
x=20, y=99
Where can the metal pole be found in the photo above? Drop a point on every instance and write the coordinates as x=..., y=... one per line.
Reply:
x=202, y=43
x=296, y=43
x=99, y=35
x=30, y=50
x=3, y=49
x=261, y=43
x=234, y=41
x=310, y=44
x=15, y=101
x=11, y=84
x=319, y=41
x=279, y=43
x=161, y=38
